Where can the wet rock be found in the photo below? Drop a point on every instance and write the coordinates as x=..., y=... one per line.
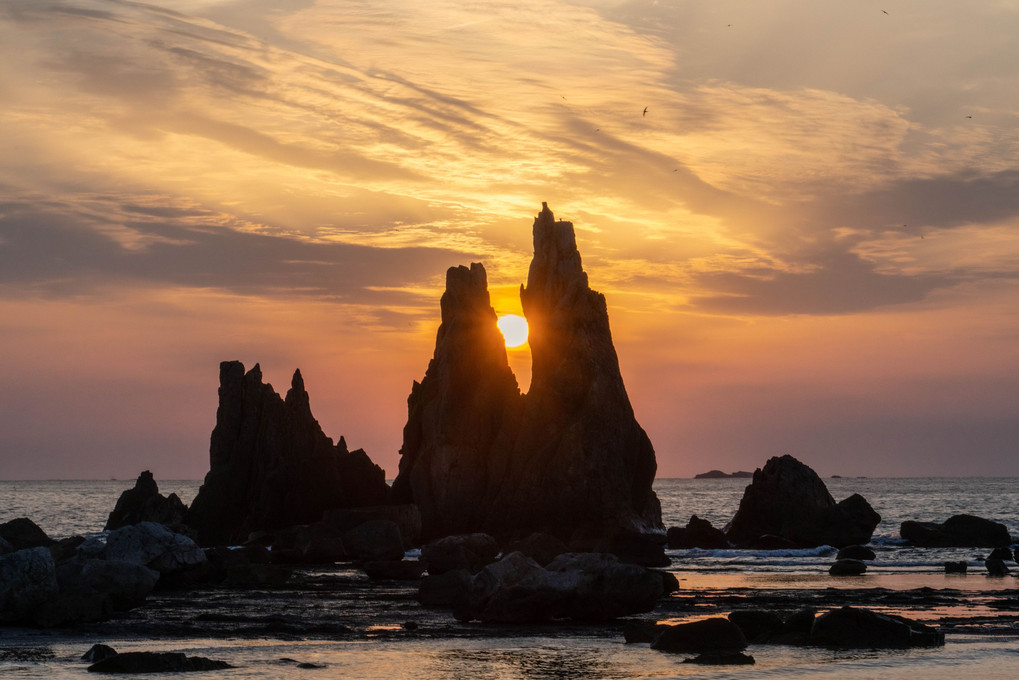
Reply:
x=394, y=570
x=670, y=584
x=542, y=548
x=956, y=567
x=857, y=628
x=144, y=503
x=758, y=625
x=374, y=540
x=722, y=659
x=156, y=662
x=698, y=533
x=644, y=549
x=1003, y=554
x=407, y=517
x=958, y=531
x=265, y=448
x=796, y=630
x=856, y=552
x=641, y=632
x=154, y=546
x=318, y=543
x=93, y=590
x=66, y=548
x=98, y=653
x=465, y=551
x=28, y=580
x=479, y=456
x=706, y=635
x=786, y=498
x=995, y=567
x=608, y=587
x=448, y=589
x=23, y=533
x=847, y=567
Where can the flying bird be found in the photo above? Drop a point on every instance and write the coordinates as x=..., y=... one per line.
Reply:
x=645, y=112
x=884, y=11
x=969, y=116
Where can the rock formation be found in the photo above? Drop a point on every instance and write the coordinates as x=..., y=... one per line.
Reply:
x=479, y=456
x=271, y=466
x=787, y=499
x=144, y=503
x=961, y=531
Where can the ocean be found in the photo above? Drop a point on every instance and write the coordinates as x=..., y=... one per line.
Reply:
x=975, y=610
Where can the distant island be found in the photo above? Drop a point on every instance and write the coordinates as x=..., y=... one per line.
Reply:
x=718, y=474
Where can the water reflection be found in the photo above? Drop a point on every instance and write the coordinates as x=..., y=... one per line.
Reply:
x=533, y=663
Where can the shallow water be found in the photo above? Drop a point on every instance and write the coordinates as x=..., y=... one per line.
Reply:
x=713, y=583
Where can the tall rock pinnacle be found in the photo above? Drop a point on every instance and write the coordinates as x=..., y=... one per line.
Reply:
x=568, y=455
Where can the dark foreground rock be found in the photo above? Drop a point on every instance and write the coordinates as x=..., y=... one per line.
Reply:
x=97, y=653
x=23, y=533
x=788, y=500
x=847, y=567
x=156, y=662
x=470, y=552
x=958, y=531
x=479, y=456
x=579, y=586
x=995, y=567
x=144, y=503
x=698, y=533
x=858, y=628
x=263, y=450
x=758, y=625
x=722, y=659
x=956, y=567
x=706, y=635
x=856, y=552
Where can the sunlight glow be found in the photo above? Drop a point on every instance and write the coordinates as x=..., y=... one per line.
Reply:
x=513, y=329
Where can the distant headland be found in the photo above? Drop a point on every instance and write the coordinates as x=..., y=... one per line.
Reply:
x=718, y=474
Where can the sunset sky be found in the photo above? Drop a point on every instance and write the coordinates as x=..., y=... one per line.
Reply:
x=808, y=245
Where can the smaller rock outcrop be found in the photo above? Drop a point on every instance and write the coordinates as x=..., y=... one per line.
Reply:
x=856, y=552
x=144, y=503
x=154, y=546
x=156, y=662
x=271, y=466
x=847, y=567
x=956, y=567
x=787, y=499
x=958, y=531
x=23, y=533
x=706, y=635
x=858, y=628
x=698, y=533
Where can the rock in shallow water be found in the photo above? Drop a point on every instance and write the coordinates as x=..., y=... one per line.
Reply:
x=958, y=531
x=156, y=662
x=706, y=635
x=858, y=628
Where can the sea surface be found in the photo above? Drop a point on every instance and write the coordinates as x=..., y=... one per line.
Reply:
x=988, y=649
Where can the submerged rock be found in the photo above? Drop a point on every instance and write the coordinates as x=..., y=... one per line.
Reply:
x=271, y=466
x=479, y=456
x=788, y=499
x=857, y=628
x=958, y=531
x=144, y=503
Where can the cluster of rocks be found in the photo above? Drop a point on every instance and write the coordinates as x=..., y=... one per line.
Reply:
x=720, y=640
x=105, y=659
x=958, y=531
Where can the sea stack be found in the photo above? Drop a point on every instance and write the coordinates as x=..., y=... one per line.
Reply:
x=569, y=455
x=271, y=466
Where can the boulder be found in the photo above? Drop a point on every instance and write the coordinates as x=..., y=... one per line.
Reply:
x=698, y=533
x=156, y=662
x=787, y=499
x=154, y=546
x=144, y=503
x=318, y=543
x=448, y=589
x=722, y=659
x=856, y=552
x=407, y=517
x=758, y=625
x=706, y=635
x=271, y=466
x=644, y=549
x=23, y=533
x=995, y=567
x=97, y=653
x=6, y=546
x=1004, y=554
x=542, y=548
x=586, y=586
x=466, y=551
x=847, y=567
x=377, y=539
x=956, y=567
x=478, y=456
x=28, y=580
x=93, y=590
x=857, y=628
x=958, y=531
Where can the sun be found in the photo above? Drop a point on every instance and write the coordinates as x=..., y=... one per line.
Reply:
x=514, y=329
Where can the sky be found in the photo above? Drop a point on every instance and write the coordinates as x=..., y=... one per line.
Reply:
x=809, y=243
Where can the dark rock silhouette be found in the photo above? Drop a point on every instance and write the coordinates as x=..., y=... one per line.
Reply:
x=23, y=533
x=698, y=533
x=958, y=531
x=156, y=662
x=847, y=566
x=144, y=503
x=788, y=500
x=718, y=474
x=271, y=466
x=858, y=628
x=706, y=635
x=479, y=456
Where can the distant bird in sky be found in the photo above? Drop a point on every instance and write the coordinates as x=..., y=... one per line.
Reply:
x=969, y=116
x=884, y=11
x=645, y=112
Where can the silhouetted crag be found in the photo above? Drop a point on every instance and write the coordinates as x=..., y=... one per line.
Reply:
x=479, y=456
x=144, y=503
x=788, y=500
x=271, y=466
